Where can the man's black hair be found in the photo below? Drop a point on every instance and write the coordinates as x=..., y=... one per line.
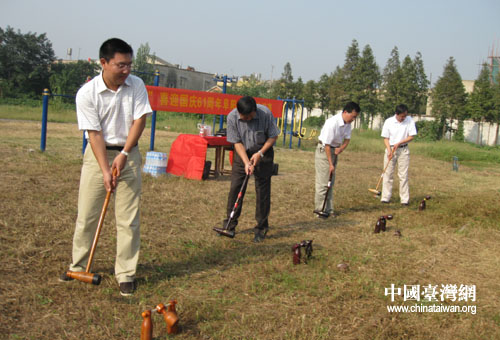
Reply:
x=112, y=46
x=246, y=105
x=401, y=108
x=352, y=106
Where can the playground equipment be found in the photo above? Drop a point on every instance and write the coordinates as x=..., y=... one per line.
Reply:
x=224, y=79
x=292, y=125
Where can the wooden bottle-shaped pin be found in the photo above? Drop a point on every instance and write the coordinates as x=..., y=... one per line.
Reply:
x=147, y=326
x=381, y=223
x=309, y=248
x=296, y=253
x=386, y=217
x=170, y=316
x=422, y=204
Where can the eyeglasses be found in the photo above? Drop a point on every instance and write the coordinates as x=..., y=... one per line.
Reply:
x=122, y=66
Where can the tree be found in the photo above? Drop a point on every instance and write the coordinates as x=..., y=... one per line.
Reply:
x=481, y=106
x=310, y=96
x=68, y=78
x=368, y=78
x=408, y=84
x=25, y=61
x=323, y=88
x=391, y=90
x=413, y=84
x=336, y=91
x=298, y=89
x=144, y=63
x=448, y=96
x=251, y=87
x=422, y=85
x=284, y=87
x=287, y=73
x=350, y=72
x=496, y=105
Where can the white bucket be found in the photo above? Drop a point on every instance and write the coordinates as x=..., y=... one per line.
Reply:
x=156, y=163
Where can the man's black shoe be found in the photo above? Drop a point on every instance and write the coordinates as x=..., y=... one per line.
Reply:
x=127, y=288
x=225, y=232
x=385, y=202
x=260, y=235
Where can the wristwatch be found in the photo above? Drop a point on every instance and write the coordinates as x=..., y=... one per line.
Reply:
x=124, y=152
x=261, y=154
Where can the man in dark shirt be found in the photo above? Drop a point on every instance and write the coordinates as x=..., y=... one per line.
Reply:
x=252, y=130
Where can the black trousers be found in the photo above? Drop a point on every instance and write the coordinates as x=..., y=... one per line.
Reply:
x=262, y=175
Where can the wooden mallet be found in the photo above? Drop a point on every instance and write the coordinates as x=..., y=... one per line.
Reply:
x=322, y=212
x=376, y=191
x=87, y=276
x=226, y=231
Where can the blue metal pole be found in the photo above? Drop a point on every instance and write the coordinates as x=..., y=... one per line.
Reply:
x=224, y=90
x=300, y=127
x=292, y=122
x=153, y=116
x=45, y=109
x=285, y=121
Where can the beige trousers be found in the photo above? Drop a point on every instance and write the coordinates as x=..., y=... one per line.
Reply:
x=90, y=201
x=322, y=175
x=402, y=158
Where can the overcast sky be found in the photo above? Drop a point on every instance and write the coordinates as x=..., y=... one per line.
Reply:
x=260, y=36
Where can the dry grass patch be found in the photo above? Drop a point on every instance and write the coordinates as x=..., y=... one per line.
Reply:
x=235, y=289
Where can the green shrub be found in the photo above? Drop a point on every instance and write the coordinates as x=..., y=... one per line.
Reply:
x=459, y=133
x=428, y=130
x=315, y=121
x=25, y=101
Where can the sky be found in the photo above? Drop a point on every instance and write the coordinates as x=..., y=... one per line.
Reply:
x=239, y=38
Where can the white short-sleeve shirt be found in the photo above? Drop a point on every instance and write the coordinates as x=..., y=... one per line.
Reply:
x=335, y=131
x=397, y=131
x=100, y=109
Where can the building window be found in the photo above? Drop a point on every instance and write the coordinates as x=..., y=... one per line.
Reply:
x=183, y=83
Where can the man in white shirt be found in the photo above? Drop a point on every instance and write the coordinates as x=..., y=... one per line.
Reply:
x=333, y=139
x=112, y=109
x=397, y=131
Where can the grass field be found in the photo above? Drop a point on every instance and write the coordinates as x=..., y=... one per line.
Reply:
x=235, y=289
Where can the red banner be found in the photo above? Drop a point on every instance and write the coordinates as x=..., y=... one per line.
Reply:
x=180, y=100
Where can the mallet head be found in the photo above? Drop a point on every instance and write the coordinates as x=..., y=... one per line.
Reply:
x=323, y=214
x=376, y=192
x=95, y=279
x=224, y=232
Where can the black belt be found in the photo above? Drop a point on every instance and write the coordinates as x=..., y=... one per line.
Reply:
x=116, y=147
x=401, y=146
x=321, y=143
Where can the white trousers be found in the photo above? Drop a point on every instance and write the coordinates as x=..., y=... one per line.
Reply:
x=90, y=201
x=402, y=158
x=322, y=175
